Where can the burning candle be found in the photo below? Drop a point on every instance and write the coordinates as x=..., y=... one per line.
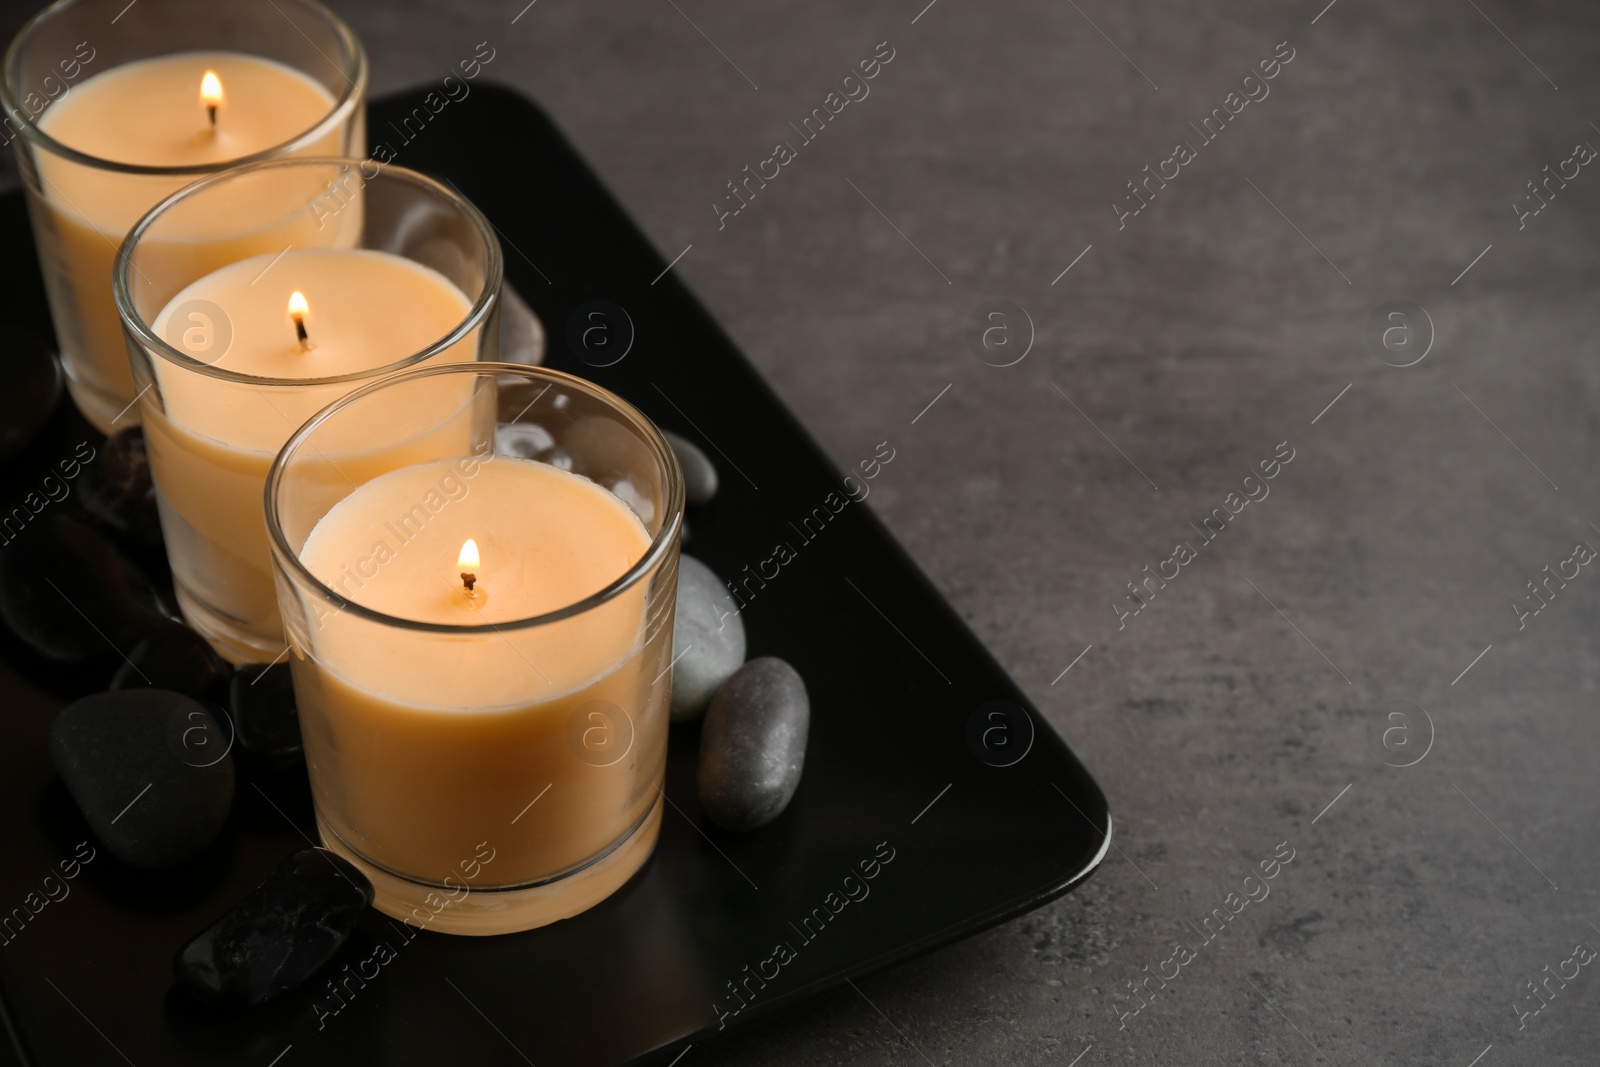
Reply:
x=138, y=127
x=234, y=360
x=481, y=651
x=210, y=448
x=423, y=747
x=133, y=115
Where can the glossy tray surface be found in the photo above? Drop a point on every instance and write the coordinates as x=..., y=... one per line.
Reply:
x=718, y=930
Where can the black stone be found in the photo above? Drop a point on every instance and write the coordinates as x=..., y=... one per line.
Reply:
x=32, y=390
x=265, y=714
x=116, y=487
x=707, y=638
x=280, y=935
x=174, y=657
x=69, y=593
x=753, y=745
x=150, y=770
x=699, y=474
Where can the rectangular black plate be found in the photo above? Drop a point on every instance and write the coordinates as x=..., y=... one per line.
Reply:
x=895, y=677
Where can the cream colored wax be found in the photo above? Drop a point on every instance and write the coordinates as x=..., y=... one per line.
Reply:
x=211, y=441
x=425, y=748
x=150, y=113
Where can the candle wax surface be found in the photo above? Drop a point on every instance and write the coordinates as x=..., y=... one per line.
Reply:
x=368, y=309
x=547, y=539
x=148, y=113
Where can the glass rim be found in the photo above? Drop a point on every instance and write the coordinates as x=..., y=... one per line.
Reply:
x=661, y=543
x=346, y=101
x=133, y=322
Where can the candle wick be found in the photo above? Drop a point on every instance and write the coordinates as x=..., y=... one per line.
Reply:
x=300, y=333
x=469, y=580
x=211, y=113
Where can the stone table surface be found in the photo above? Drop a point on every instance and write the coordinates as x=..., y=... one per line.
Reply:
x=1364, y=612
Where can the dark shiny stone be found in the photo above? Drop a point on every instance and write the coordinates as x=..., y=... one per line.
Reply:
x=69, y=593
x=174, y=657
x=149, y=769
x=33, y=387
x=265, y=713
x=280, y=935
x=699, y=474
x=753, y=745
x=116, y=487
x=707, y=638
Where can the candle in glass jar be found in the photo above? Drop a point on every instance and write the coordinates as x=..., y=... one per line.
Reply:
x=426, y=743
x=191, y=109
x=305, y=314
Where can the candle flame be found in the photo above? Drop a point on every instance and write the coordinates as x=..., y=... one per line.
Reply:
x=211, y=97
x=211, y=89
x=467, y=564
x=298, y=309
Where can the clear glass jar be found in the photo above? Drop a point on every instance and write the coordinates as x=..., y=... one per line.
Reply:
x=488, y=776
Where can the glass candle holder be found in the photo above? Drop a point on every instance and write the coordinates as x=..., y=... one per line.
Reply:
x=111, y=110
x=481, y=641
x=256, y=297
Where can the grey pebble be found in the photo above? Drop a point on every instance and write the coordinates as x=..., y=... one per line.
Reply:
x=150, y=769
x=521, y=334
x=753, y=745
x=707, y=638
x=699, y=475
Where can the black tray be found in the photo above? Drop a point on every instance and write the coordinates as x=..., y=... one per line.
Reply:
x=899, y=688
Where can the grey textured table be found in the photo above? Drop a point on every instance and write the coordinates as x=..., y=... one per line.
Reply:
x=1250, y=702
